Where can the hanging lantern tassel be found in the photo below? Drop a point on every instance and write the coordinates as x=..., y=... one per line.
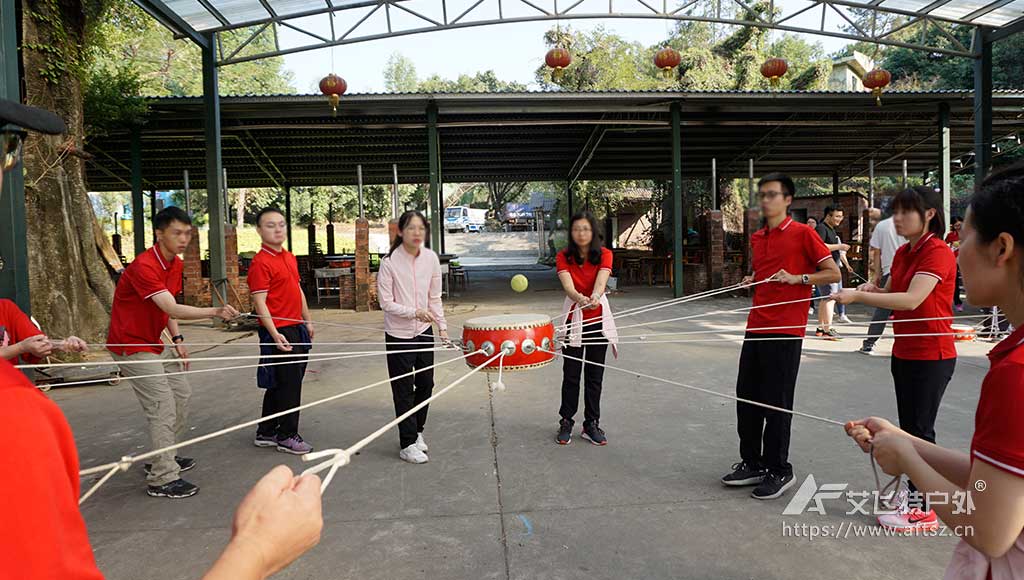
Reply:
x=334, y=99
x=557, y=73
x=877, y=91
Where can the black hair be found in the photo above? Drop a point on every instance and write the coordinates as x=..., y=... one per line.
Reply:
x=997, y=206
x=921, y=199
x=955, y=219
x=265, y=211
x=572, y=251
x=833, y=209
x=403, y=221
x=169, y=214
x=789, y=188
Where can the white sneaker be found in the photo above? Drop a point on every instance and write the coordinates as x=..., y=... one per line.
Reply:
x=845, y=319
x=421, y=444
x=412, y=454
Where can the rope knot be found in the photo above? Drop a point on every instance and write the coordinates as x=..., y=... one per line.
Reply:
x=126, y=462
x=337, y=458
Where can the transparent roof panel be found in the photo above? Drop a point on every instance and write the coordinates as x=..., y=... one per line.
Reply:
x=238, y=11
x=192, y=12
x=1003, y=15
x=252, y=11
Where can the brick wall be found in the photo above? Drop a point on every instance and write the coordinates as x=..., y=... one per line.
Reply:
x=197, y=288
x=362, y=278
x=714, y=239
x=348, y=292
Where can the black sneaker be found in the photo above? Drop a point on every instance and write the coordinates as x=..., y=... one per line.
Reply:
x=773, y=486
x=594, y=434
x=177, y=489
x=819, y=331
x=867, y=350
x=832, y=334
x=564, y=432
x=184, y=464
x=743, y=474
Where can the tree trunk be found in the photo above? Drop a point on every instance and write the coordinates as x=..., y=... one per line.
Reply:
x=240, y=207
x=71, y=287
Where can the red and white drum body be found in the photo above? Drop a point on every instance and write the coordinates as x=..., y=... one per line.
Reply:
x=963, y=332
x=525, y=338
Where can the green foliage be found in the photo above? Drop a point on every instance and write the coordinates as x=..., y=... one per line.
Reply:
x=111, y=99
x=400, y=74
x=604, y=61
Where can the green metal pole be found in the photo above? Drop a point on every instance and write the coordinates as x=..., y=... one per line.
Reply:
x=138, y=203
x=982, y=105
x=13, y=236
x=435, y=179
x=288, y=213
x=569, y=205
x=214, y=174
x=677, y=202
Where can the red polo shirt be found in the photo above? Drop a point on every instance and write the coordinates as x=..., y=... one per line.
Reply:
x=16, y=326
x=953, y=239
x=584, y=276
x=134, y=318
x=998, y=431
x=797, y=249
x=929, y=257
x=42, y=533
x=277, y=275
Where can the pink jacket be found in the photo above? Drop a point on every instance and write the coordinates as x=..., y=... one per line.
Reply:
x=405, y=284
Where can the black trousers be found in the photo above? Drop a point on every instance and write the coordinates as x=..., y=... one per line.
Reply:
x=957, y=301
x=878, y=320
x=414, y=389
x=594, y=350
x=920, y=385
x=767, y=374
x=287, y=390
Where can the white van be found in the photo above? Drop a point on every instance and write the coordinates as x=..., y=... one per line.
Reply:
x=464, y=219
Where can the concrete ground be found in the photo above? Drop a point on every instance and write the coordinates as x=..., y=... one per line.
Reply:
x=499, y=498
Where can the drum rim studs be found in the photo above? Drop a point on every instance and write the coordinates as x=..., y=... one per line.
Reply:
x=508, y=347
x=487, y=347
x=528, y=346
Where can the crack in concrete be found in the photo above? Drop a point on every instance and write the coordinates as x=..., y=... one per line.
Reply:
x=497, y=477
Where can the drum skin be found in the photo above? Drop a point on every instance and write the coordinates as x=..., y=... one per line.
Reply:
x=515, y=331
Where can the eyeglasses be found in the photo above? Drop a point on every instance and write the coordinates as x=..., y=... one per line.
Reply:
x=11, y=145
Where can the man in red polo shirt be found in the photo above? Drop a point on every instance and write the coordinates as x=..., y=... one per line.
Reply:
x=793, y=257
x=953, y=240
x=279, y=302
x=144, y=305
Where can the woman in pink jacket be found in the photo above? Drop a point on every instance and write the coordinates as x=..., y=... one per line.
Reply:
x=409, y=290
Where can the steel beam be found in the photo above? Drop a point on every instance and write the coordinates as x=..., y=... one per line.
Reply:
x=214, y=176
x=677, y=201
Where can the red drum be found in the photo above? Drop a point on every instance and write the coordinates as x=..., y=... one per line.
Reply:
x=525, y=338
x=963, y=332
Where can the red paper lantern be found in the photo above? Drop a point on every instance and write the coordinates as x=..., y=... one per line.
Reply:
x=667, y=59
x=876, y=80
x=774, y=69
x=557, y=59
x=333, y=86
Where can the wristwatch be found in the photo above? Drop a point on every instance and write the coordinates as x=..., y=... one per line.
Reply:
x=177, y=339
x=805, y=279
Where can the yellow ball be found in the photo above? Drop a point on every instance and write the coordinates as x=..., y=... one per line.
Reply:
x=519, y=283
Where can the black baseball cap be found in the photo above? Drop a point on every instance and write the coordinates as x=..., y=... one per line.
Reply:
x=32, y=118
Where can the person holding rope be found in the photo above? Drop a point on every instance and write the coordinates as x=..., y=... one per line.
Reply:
x=144, y=306
x=920, y=285
x=409, y=291
x=584, y=267
x=826, y=308
x=20, y=338
x=794, y=258
x=285, y=328
x=43, y=534
x=992, y=473
x=884, y=243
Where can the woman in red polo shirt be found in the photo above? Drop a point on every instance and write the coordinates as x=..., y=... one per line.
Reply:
x=583, y=269
x=920, y=285
x=990, y=524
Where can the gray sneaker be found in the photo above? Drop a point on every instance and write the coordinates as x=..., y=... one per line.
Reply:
x=265, y=440
x=294, y=445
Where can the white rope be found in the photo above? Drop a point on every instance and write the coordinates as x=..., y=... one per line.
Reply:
x=205, y=359
x=706, y=391
x=703, y=314
x=795, y=326
x=128, y=460
x=321, y=323
x=772, y=338
x=342, y=457
x=104, y=345
x=675, y=301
